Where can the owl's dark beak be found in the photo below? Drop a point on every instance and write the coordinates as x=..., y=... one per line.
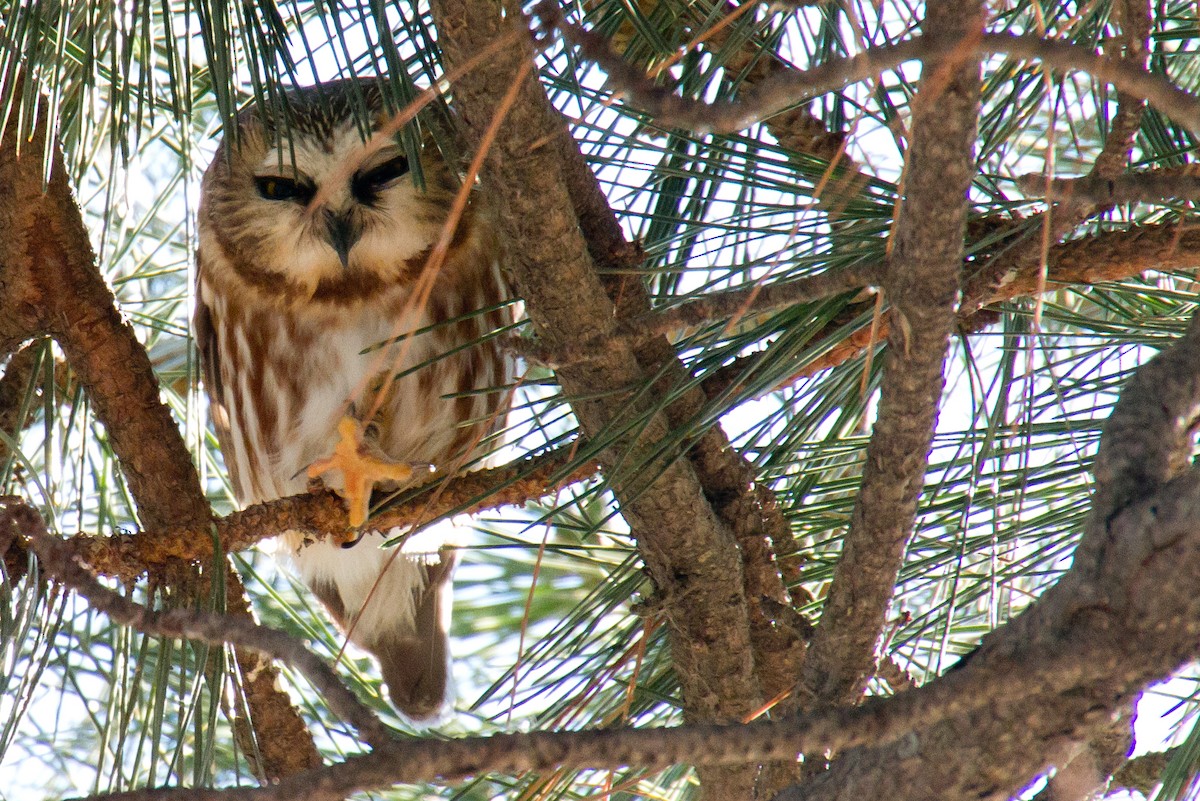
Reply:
x=343, y=233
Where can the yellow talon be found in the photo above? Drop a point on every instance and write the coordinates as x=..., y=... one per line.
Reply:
x=360, y=469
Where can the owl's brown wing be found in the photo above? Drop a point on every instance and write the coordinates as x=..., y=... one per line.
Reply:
x=209, y=347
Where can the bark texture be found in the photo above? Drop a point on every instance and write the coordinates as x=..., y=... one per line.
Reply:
x=921, y=285
x=690, y=554
x=49, y=284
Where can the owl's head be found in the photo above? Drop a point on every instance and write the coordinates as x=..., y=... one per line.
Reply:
x=368, y=228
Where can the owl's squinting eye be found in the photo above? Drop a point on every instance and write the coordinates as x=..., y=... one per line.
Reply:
x=368, y=184
x=275, y=187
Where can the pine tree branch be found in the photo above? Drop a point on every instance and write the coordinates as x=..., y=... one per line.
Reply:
x=1109, y=627
x=1017, y=272
x=785, y=89
x=52, y=286
x=689, y=553
x=1141, y=773
x=765, y=539
x=1064, y=217
x=731, y=306
x=57, y=559
x=1107, y=256
x=1122, y=616
x=127, y=556
x=795, y=128
x=728, y=479
x=1084, y=774
x=750, y=510
x=412, y=760
x=922, y=286
x=1099, y=258
x=1129, y=600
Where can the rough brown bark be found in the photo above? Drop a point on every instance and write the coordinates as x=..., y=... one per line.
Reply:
x=49, y=284
x=690, y=554
x=1124, y=615
x=922, y=288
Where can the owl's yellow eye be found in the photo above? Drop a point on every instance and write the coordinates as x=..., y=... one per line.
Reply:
x=276, y=187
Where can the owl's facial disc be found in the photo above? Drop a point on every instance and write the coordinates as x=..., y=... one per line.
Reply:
x=298, y=223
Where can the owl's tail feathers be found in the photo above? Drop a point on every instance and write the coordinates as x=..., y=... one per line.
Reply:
x=415, y=661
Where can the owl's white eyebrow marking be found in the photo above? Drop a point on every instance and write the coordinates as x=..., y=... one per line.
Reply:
x=275, y=169
x=317, y=159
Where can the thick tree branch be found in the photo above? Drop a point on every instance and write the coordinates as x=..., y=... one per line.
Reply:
x=1141, y=773
x=1085, y=775
x=765, y=540
x=728, y=481
x=49, y=284
x=1107, y=256
x=922, y=287
x=690, y=554
x=1148, y=439
x=1128, y=601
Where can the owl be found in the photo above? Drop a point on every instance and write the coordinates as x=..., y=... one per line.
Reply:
x=315, y=312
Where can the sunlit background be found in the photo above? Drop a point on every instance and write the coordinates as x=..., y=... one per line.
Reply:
x=550, y=628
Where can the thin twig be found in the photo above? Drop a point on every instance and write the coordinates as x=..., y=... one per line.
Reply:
x=58, y=559
x=127, y=556
x=732, y=306
x=785, y=89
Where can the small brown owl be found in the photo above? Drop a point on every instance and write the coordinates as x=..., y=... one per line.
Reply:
x=305, y=268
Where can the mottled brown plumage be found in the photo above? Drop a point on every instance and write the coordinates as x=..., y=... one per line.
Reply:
x=293, y=299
